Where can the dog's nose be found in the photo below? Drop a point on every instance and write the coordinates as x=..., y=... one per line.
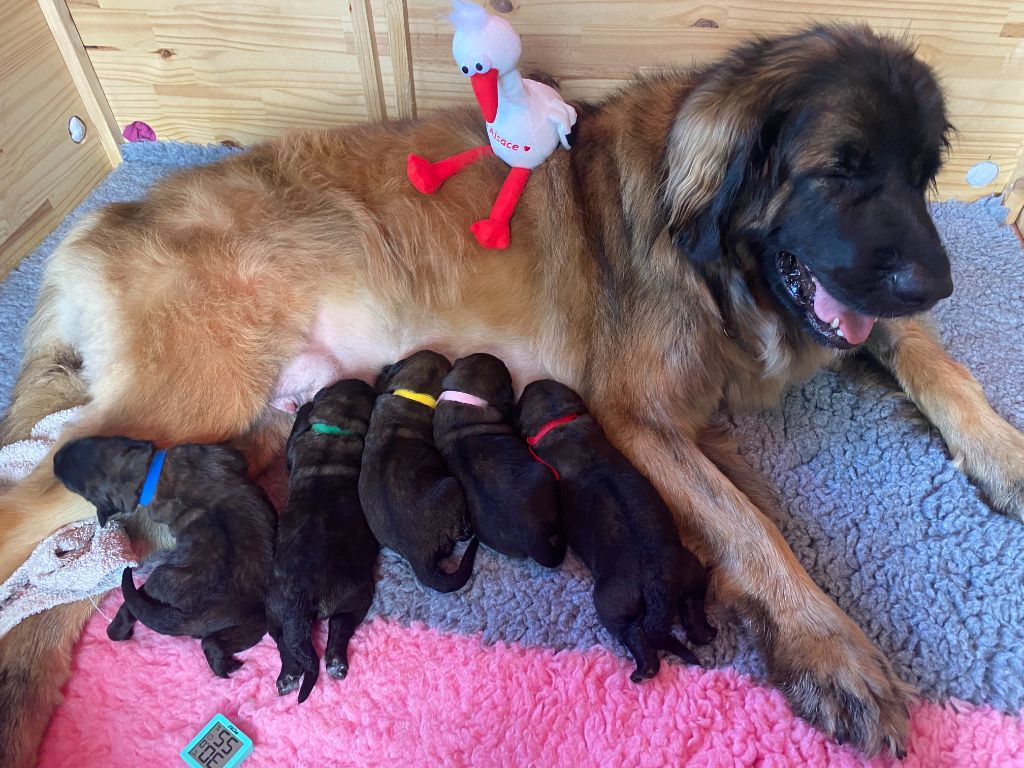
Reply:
x=919, y=286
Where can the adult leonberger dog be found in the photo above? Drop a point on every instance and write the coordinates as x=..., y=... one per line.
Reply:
x=715, y=235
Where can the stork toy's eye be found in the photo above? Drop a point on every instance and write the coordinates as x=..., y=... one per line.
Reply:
x=465, y=70
x=479, y=67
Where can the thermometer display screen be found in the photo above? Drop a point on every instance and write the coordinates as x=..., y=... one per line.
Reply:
x=216, y=748
x=219, y=745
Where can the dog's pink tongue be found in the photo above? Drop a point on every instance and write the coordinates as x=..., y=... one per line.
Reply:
x=853, y=324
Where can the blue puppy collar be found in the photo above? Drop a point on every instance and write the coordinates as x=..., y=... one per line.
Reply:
x=152, y=477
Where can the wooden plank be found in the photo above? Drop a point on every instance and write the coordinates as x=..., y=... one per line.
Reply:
x=43, y=173
x=401, y=56
x=200, y=70
x=1013, y=194
x=369, y=60
x=593, y=47
x=69, y=43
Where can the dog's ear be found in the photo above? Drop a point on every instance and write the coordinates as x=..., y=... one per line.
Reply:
x=716, y=172
x=726, y=145
x=106, y=471
x=387, y=373
x=299, y=428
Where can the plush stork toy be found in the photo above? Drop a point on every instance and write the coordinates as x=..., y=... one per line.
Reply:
x=526, y=120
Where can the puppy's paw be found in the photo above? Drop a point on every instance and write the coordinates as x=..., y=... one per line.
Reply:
x=840, y=683
x=337, y=668
x=644, y=673
x=695, y=621
x=226, y=666
x=288, y=682
x=646, y=667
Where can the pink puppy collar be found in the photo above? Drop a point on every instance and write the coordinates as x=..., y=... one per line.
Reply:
x=462, y=397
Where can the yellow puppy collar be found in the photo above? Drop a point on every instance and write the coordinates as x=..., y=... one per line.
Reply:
x=419, y=397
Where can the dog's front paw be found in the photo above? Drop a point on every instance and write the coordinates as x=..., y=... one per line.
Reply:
x=996, y=464
x=840, y=683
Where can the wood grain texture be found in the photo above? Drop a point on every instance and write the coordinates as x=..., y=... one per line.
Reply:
x=206, y=71
x=43, y=174
x=400, y=51
x=369, y=60
x=69, y=43
x=593, y=47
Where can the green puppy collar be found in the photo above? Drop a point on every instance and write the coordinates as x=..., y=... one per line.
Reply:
x=331, y=429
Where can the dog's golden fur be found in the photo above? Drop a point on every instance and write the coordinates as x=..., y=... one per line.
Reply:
x=182, y=310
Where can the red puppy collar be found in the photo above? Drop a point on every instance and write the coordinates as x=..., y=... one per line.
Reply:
x=532, y=441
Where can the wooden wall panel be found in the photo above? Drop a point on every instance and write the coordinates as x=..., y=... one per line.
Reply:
x=206, y=71
x=592, y=47
x=43, y=174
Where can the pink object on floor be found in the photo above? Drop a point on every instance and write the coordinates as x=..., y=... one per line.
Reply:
x=138, y=131
x=418, y=697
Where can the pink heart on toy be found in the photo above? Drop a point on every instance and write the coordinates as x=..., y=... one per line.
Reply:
x=526, y=149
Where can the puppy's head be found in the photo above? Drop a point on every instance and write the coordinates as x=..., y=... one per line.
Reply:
x=345, y=406
x=421, y=372
x=543, y=401
x=485, y=376
x=107, y=471
x=802, y=164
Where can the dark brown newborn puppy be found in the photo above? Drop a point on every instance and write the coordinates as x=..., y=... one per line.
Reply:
x=412, y=503
x=512, y=499
x=323, y=563
x=213, y=583
x=620, y=527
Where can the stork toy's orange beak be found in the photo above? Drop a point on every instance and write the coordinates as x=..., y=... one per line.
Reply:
x=485, y=86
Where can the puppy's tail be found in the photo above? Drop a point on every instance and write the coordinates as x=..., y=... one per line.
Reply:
x=434, y=577
x=297, y=630
x=550, y=552
x=160, y=617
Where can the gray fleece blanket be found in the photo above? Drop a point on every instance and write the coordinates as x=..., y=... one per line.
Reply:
x=873, y=506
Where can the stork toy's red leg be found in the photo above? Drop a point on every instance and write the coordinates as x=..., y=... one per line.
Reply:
x=493, y=232
x=427, y=177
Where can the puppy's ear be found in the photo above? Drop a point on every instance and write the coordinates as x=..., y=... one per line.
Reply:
x=106, y=471
x=299, y=428
x=506, y=397
x=387, y=373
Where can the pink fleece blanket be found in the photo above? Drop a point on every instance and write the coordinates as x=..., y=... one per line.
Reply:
x=419, y=697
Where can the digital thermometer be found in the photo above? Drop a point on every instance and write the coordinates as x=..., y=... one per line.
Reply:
x=219, y=745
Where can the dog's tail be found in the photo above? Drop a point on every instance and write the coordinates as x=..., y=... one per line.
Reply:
x=550, y=552
x=438, y=579
x=297, y=627
x=293, y=609
x=160, y=617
